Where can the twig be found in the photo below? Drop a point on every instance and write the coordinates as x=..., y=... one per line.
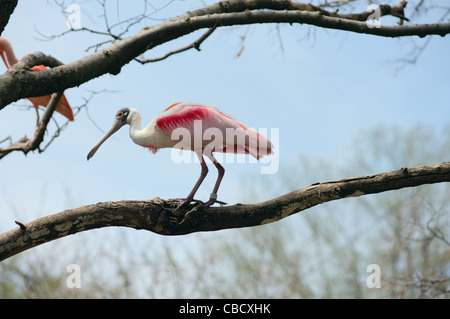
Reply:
x=22, y=226
x=26, y=145
x=194, y=45
x=435, y=234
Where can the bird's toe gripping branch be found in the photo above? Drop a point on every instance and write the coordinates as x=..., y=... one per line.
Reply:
x=187, y=201
x=212, y=200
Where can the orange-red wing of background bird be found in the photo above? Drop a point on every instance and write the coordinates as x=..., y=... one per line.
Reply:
x=63, y=106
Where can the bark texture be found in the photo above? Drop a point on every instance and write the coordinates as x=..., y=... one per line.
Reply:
x=161, y=217
x=21, y=82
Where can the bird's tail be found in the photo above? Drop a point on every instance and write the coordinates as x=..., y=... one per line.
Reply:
x=259, y=145
x=248, y=141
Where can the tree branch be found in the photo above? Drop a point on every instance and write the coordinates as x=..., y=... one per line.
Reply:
x=160, y=216
x=194, y=45
x=26, y=145
x=8, y=7
x=17, y=85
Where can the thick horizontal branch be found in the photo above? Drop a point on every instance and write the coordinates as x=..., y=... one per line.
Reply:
x=245, y=5
x=17, y=84
x=161, y=216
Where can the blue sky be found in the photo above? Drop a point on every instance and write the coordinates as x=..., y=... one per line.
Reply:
x=319, y=92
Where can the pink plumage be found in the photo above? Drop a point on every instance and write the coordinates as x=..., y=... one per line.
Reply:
x=204, y=129
x=184, y=114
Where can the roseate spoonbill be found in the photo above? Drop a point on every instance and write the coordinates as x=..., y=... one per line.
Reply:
x=9, y=58
x=192, y=126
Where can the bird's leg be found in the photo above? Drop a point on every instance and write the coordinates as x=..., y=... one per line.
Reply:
x=213, y=196
x=203, y=174
x=37, y=116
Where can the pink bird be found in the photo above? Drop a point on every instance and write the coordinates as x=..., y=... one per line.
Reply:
x=9, y=58
x=200, y=128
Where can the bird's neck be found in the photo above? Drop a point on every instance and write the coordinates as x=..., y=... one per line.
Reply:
x=142, y=137
x=135, y=128
x=6, y=46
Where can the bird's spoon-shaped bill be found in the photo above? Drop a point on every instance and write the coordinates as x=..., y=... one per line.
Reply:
x=116, y=126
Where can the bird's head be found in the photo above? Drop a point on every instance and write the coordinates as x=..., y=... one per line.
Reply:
x=123, y=116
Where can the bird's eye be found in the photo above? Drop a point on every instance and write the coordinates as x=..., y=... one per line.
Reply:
x=119, y=114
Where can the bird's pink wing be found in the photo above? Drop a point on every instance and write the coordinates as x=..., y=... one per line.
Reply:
x=181, y=115
x=229, y=135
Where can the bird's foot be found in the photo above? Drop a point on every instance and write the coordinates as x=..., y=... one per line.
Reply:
x=187, y=201
x=212, y=200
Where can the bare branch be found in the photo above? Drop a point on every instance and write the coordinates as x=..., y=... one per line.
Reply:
x=228, y=13
x=162, y=217
x=25, y=145
x=194, y=45
x=8, y=7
